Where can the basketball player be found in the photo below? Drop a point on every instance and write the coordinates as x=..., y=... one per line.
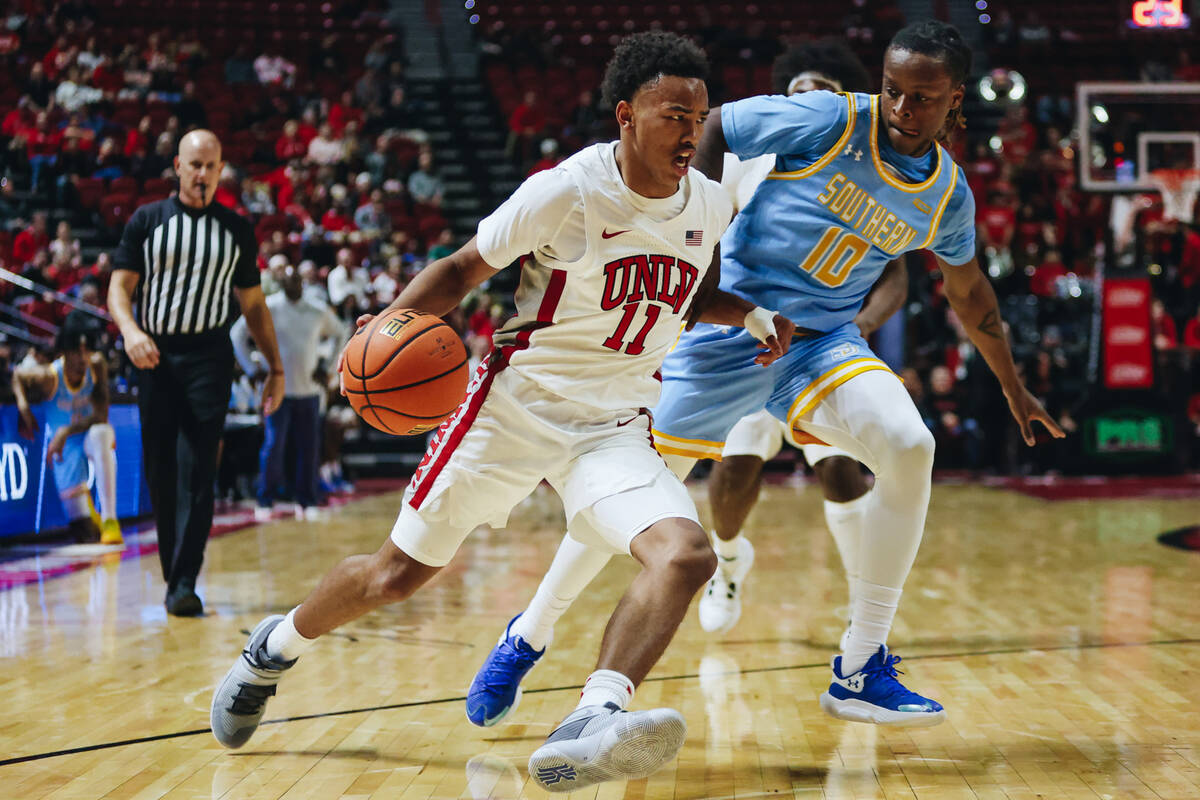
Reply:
x=735, y=480
x=734, y=483
x=75, y=388
x=621, y=237
x=858, y=180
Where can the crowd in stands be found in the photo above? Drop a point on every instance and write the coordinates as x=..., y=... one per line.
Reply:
x=327, y=157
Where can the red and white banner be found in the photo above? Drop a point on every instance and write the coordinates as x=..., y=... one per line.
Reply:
x=1128, y=359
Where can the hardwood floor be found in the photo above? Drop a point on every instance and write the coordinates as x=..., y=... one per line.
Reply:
x=1061, y=637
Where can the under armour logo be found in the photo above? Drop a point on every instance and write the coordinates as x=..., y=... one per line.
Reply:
x=854, y=683
x=850, y=149
x=552, y=775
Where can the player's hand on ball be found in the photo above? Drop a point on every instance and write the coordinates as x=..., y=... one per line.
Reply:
x=358, y=323
x=1025, y=409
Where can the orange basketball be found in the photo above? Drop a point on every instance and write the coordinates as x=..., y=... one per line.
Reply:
x=405, y=371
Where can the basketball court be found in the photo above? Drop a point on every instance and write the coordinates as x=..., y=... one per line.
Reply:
x=1059, y=633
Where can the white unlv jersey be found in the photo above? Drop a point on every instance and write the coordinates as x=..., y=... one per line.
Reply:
x=596, y=329
x=740, y=178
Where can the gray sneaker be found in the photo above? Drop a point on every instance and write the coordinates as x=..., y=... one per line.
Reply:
x=604, y=743
x=241, y=697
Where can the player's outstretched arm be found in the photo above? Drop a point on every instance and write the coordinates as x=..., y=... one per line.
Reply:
x=710, y=153
x=972, y=298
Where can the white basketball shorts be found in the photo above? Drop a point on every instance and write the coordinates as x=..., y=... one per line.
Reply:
x=761, y=434
x=507, y=436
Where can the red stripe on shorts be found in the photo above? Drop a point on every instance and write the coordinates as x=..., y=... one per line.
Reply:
x=458, y=425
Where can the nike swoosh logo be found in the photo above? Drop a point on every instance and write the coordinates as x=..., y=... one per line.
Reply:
x=626, y=422
x=606, y=235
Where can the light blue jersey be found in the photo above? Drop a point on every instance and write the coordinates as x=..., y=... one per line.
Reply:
x=67, y=405
x=820, y=229
x=814, y=238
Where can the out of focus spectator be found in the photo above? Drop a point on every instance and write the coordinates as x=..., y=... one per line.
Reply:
x=550, y=157
x=1191, y=331
x=525, y=124
x=424, y=186
x=1163, y=333
x=443, y=245
x=325, y=148
x=349, y=285
x=272, y=69
x=388, y=283
x=239, y=67
x=29, y=241
x=64, y=242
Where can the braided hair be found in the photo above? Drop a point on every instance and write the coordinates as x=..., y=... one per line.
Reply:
x=943, y=42
x=828, y=57
x=643, y=58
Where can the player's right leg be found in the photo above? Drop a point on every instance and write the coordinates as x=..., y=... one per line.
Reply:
x=733, y=488
x=847, y=495
x=478, y=466
x=100, y=446
x=70, y=476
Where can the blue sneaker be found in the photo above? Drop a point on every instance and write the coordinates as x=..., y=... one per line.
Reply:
x=496, y=689
x=874, y=695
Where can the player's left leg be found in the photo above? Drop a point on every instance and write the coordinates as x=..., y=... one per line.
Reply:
x=70, y=476
x=872, y=417
x=100, y=447
x=600, y=741
x=495, y=691
x=733, y=488
x=847, y=494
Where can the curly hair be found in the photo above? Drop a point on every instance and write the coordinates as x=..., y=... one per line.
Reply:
x=643, y=58
x=941, y=41
x=828, y=57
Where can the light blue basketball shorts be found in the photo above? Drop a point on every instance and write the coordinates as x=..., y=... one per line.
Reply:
x=72, y=471
x=710, y=381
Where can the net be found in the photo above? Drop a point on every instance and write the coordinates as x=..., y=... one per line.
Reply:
x=1179, y=188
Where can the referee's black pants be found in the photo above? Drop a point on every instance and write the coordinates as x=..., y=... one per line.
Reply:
x=183, y=403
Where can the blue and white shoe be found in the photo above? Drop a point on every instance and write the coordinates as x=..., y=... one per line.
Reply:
x=496, y=689
x=873, y=694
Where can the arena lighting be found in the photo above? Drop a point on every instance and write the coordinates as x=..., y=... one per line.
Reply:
x=473, y=19
x=984, y=19
x=981, y=5
x=995, y=143
x=1002, y=85
x=1100, y=113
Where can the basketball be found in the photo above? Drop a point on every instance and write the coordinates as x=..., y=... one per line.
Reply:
x=405, y=371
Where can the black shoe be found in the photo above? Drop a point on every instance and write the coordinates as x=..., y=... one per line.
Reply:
x=182, y=601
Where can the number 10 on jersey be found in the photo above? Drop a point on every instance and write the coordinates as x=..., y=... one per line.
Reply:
x=838, y=252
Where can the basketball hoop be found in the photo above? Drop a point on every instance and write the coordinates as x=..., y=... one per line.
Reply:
x=1179, y=188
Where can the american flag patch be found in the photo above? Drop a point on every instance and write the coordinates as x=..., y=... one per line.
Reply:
x=693, y=238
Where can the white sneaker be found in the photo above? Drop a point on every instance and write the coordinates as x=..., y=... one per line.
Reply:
x=262, y=513
x=604, y=743
x=315, y=514
x=721, y=603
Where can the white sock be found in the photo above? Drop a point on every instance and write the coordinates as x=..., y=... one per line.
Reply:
x=536, y=623
x=845, y=521
x=727, y=549
x=100, y=446
x=573, y=568
x=606, y=686
x=871, y=619
x=285, y=642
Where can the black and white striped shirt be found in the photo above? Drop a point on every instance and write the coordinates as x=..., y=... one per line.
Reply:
x=189, y=261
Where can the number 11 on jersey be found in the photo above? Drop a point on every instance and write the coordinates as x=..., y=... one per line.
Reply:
x=638, y=344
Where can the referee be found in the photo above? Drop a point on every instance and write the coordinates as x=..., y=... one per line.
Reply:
x=183, y=257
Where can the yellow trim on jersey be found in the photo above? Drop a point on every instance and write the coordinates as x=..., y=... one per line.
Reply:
x=941, y=209
x=825, y=159
x=830, y=380
x=67, y=381
x=887, y=176
x=678, y=451
x=680, y=440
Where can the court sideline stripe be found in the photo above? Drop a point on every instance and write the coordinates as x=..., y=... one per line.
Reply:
x=576, y=687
